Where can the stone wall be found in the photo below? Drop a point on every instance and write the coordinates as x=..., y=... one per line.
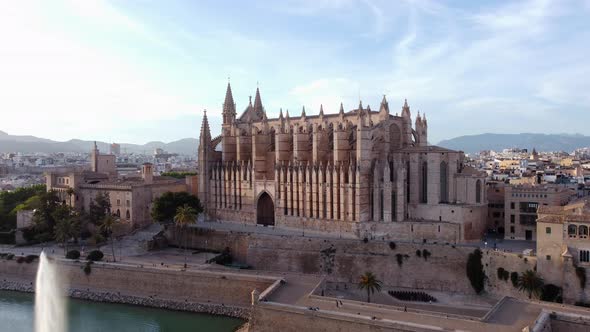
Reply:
x=492, y=260
x=267, y=316
x=344, y=259
x=197, y=286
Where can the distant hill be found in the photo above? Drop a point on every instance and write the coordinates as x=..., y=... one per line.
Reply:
x=497, y=142
x=30, y=144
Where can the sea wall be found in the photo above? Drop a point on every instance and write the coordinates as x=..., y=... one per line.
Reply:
x=266, y=317
x=219, y=288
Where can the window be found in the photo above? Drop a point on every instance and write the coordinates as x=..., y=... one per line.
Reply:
x=583, y=231
x=496, y=214
x=512, y=229
x=547, y=230
x=528, y=219
x=529, y=207
x=584, y=256
x=512, y=205
x=424, y=187
x=118, y=202
x=572, y=230
x=512, y=219
x=128, y=203
x=478, y=191
x=127, y=214
x=548, y=257
x=444, y=195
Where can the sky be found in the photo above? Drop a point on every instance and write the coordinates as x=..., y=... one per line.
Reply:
x=135, y=71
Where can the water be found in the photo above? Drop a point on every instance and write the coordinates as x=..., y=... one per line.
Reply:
x=50, y=304
x=17, y=312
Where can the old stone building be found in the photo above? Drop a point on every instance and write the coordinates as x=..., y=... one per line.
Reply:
x=130, y=196
x=360, y=171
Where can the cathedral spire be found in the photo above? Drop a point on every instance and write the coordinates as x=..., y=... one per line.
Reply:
x=229, y=107
x=257, y=101
x=281, y=114
x=384, y=108
x=205, y=130
x=341, y=109
x=303, y=113
x=406, y=109
x=321, y=110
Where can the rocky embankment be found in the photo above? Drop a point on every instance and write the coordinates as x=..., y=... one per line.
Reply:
x=151, y=301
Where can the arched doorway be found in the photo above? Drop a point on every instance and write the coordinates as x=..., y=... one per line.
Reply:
x=265, y=210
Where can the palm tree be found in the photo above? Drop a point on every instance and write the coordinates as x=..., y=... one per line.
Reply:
x=107, y=226
x=65, y=229
x=369, y=282
x=185, y=215
x=70, y=193
x=530, y=282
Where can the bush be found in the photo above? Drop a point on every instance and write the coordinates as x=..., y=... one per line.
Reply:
x=87, y=269
x=365, y=240
x=426, y=254
x=551, y=293
x=392, y=245
x=500, y=272
x=20, y=259
x=506, y=275
x=514, y=278
x=475, y=271
x=9, y=257
x=73, y=254
x=418, y=253
x=581, y=274
x=95, y=255
x=31, y=258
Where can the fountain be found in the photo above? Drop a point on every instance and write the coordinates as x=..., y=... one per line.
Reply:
x=50, y=303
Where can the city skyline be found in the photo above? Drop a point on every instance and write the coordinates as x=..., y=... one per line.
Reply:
x=127, y=72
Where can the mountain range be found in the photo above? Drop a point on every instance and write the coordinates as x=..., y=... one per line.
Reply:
x=31, y=144
x=469, y=144
x=497, y=142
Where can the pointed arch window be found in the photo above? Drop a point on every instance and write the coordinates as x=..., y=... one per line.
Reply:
x=444, y=190
x=478, y=191
x=424, y=184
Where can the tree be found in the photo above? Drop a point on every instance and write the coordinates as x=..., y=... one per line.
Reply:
x=475, y=271
x=99, y=207
x=185, y=215
x=530, y=282
x=65, y=229
x=70, y=193
x=369, y=282
x=107, y=226
x=165, y=207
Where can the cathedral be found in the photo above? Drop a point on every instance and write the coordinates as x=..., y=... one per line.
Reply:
x=359, y=172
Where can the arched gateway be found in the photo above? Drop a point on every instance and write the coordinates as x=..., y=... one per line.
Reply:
x=265, y=210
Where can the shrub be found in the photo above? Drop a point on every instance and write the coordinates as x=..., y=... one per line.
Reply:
x=475, y=271
x=9, y=257
x=30, y=258
x=20, y=259
x=425, y=254
x=73, y=254
x=514, y=278
x=418, y=253
x=95, y=255
x=506, y=275
x=392, y=245
x=550, y=293
x=365, y=240
x=581, y=274
x=500, y=272
x=87, y=269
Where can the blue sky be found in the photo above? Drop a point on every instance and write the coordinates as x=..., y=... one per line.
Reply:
x=135, y=71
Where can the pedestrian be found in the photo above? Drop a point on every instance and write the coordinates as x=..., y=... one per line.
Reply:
x=337, y=306
x=405, y=309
